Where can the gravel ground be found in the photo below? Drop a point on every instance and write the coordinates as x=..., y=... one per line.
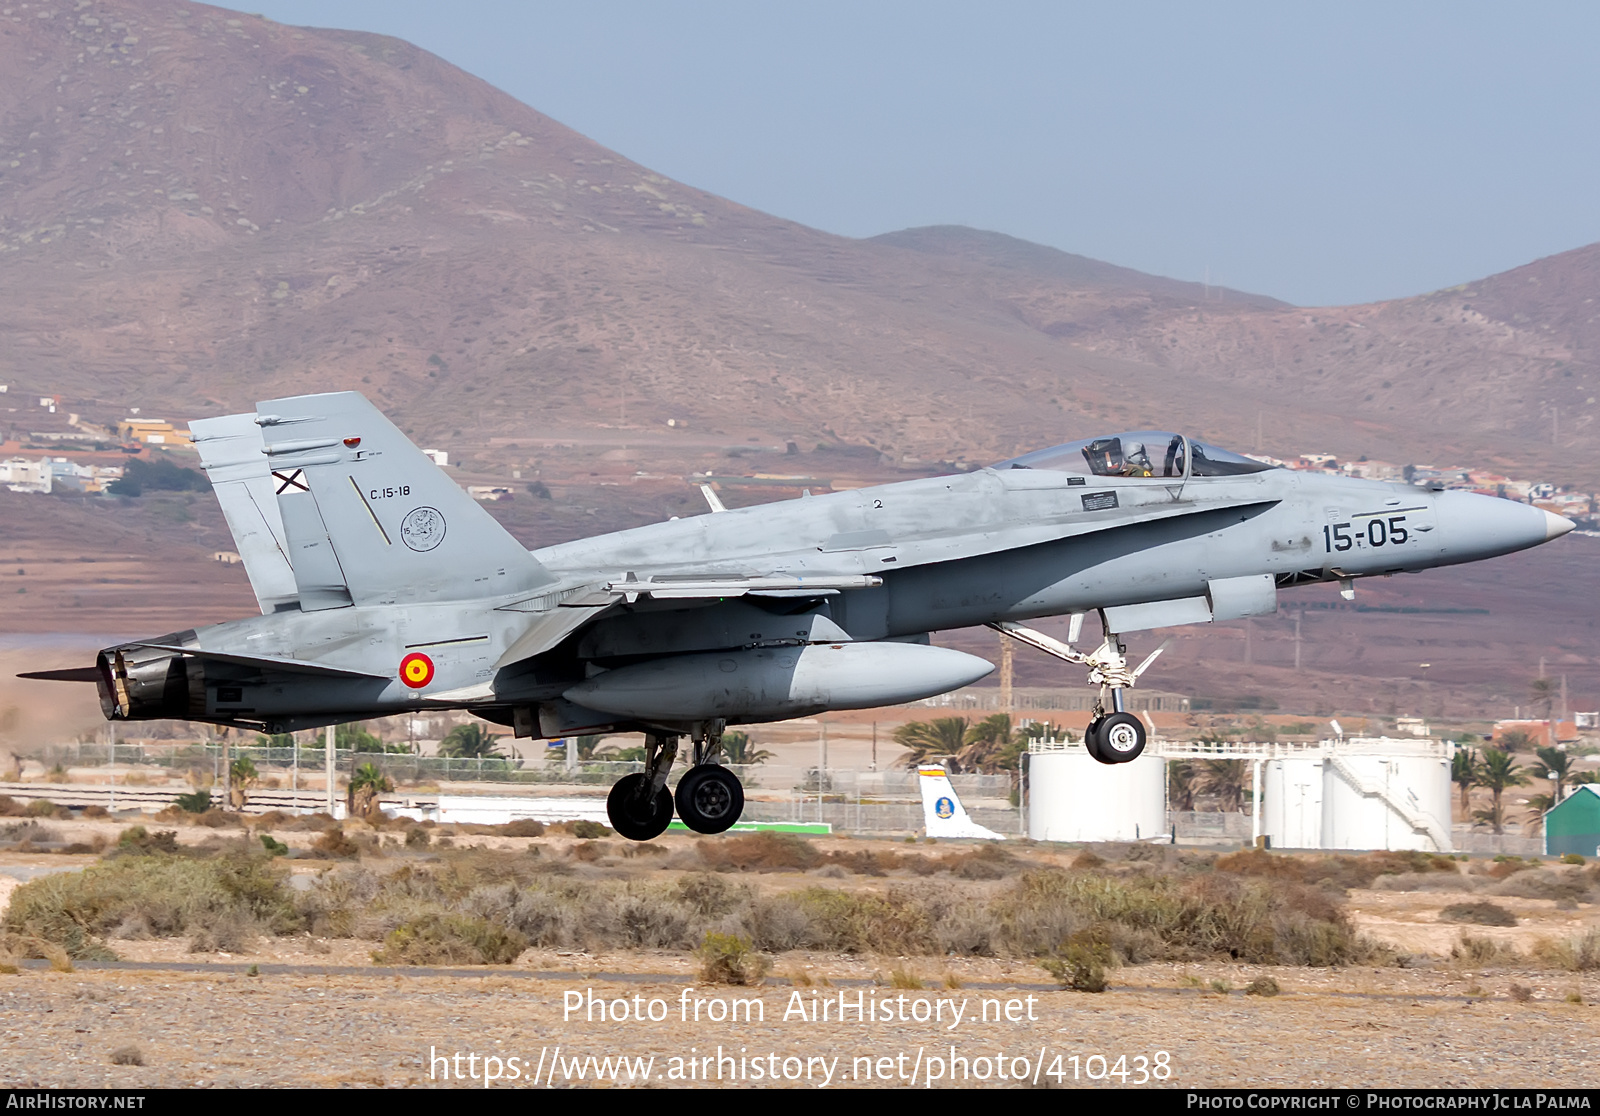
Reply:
x=1397, y=1028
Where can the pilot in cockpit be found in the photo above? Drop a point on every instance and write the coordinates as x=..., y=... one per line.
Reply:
x=1112, y=457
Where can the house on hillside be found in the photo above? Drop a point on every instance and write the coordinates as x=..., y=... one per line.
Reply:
x=1573, y=824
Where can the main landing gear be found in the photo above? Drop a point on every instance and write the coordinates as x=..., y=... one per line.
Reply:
x=1114, y=735
x=710, y=798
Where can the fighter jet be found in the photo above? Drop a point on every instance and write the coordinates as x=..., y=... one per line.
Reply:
x=384, y=588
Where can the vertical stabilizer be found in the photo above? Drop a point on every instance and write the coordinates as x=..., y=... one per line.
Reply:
x=230, y=452
x=399, y=529
x=942, y=812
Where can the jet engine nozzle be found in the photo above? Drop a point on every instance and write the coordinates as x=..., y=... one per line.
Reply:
x=145, y=684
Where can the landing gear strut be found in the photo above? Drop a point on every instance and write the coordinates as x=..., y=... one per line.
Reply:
x=640, y=806
x=1114, y=736
x=710, y=797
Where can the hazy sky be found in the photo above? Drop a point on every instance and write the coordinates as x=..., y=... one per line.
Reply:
x=1322, y=153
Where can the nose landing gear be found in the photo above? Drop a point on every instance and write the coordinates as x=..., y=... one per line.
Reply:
x=710, y=798
x=1114, y=736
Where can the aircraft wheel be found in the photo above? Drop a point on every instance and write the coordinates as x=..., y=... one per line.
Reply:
x=710, y=798
x=1091, y=740
x=632, y=815
x=1121, y=738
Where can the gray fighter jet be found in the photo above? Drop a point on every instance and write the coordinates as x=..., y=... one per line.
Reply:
x=385, y=588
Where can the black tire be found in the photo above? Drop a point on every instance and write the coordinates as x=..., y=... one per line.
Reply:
x=1091, y=740
x=632, y=815
x=1121, y=738
x=710, y=798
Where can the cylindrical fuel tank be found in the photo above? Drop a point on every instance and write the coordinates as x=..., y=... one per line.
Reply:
x=1385, y=801
x=1360, y=793
x=1074, y=797
x=773, y=682
x=1291, y=802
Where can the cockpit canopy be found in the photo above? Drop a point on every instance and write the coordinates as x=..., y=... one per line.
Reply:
x=1138, y=453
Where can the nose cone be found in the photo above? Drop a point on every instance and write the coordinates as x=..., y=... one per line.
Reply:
x=1475, y=526
x=1556, y=525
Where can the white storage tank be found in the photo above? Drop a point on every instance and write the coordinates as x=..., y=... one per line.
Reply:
x=1291, y=802
x=1074, y=797
x=1366, y=793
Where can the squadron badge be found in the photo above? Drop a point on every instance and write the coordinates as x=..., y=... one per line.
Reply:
x=422, y=529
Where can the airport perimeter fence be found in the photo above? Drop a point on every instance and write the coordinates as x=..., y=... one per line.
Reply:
x=405, y=767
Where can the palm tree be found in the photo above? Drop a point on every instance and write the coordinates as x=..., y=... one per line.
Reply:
x=1558, y=766
x=1224, y=780
x=1517, y=741
x=1497, y=772
x=470, y=741
x=1544, y=694
x=1538, y=805
x=927, y=739
x=242, y=776
x=1181, y=785
x=991, y=745
x=366, y=783
x=736, y=748
x=1464, y=774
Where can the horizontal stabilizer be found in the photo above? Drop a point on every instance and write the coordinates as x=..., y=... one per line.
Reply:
x=68, y=674
x=264, y=662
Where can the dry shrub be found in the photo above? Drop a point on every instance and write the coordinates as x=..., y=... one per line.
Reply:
x=523, y=827
x=1543, y=884
x=861, y=922
x=902, y=977
x=273, y=819
x=29, y=832
x=1502, y=867
x=445, y=939
x=759, y=852
x=44, y=808
x=127, y=1056
x=1426, y=881
x=93, y=811
x=138, y=841
x=1149, y=917
x=987, y=862
x=416, y=837
x=11, y=808
x=1082, y=966
x=1481, y=913
x=1580, y=953
x=864, y=862
x=1087, y=859
x=333, y=844
x=225, y=932
x=588, y=830
x=1521, y=993
x=589, y=851
x=217, y=819
x=1484, y=951
x=709, y=895
x=169, y=895
x=1262, y=986
x=730, y=959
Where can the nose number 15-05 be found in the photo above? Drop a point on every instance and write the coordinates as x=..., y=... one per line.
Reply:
x=1365, y=531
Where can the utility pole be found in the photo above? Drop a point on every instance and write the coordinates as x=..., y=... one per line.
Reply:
x=1006, y=702
x=227, y=769
x=328, y=762
x=874, y=745
x=112, y=770
x=1297, y=616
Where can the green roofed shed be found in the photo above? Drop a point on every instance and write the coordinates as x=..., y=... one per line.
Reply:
x=1573, y=824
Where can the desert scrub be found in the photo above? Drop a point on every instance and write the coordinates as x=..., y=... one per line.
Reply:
x=1082, y=967
x=730, y=959
x=1580, y=953
x=1478, y=914
x=450, y=939
x=157, y=896
x=1149, y=918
